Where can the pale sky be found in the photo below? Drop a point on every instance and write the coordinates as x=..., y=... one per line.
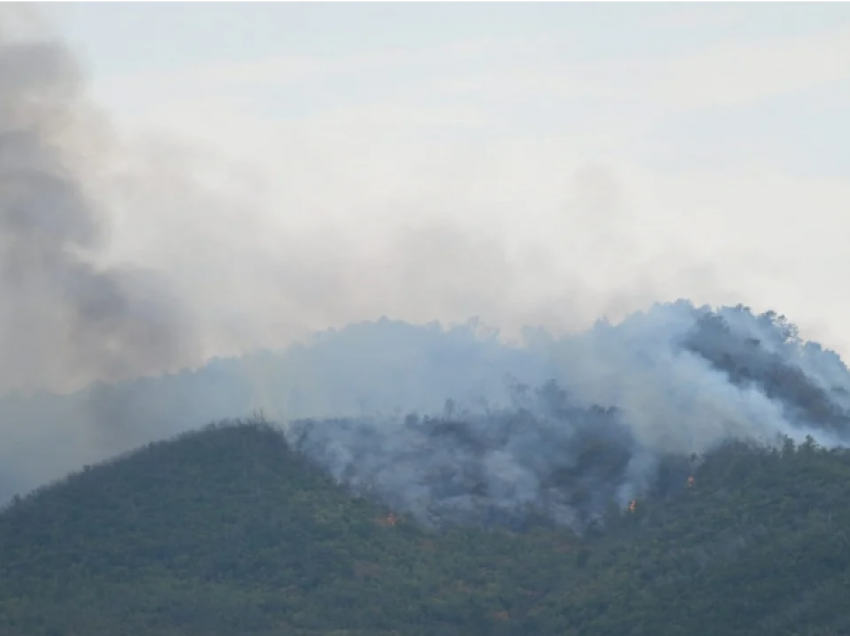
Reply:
x=298, y=166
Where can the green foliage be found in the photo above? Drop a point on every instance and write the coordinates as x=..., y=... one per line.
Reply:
x=227, y=531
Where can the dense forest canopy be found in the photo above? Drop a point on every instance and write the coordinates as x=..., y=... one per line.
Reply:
x=682, y=472
x=685, y=471
x=231, y=531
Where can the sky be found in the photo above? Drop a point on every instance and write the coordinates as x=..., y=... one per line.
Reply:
x=292, y=167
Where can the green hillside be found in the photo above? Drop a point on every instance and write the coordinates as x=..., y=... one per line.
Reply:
x=228, y=531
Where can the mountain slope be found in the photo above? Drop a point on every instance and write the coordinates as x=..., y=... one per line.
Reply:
x=228, y=531
x=681, y=378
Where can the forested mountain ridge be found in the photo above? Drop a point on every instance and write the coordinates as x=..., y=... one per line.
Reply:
x=682, y=377
x=230, y=530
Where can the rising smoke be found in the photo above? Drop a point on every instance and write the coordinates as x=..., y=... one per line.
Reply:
x=566, y=425
x=455, y=425
x=628, y=404
x=66, y=318
x=63, y=316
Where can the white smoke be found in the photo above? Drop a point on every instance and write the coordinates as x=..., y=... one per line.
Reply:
x=453, y=424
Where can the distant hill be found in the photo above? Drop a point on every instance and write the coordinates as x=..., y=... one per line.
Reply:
x=683, y=472
x=681, y=379
x=231, y=531
x=383, y=366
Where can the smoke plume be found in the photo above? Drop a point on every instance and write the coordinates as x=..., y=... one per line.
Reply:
x=626, y=408
x=455, y=425
x=64, y=316
x=444, y=423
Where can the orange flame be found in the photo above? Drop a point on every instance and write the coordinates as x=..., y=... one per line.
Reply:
x=632, y=506
x=691, y=481
x=389, y=520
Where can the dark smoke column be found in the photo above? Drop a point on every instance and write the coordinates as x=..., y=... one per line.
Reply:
x=63, y=320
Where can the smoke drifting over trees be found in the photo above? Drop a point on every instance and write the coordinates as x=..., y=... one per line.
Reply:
x=628, y=407
x=563, y=427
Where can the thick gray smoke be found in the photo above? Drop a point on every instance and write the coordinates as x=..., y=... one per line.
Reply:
x=453, y=424
x=564, y=425
x=626, y=408
x=64, y=318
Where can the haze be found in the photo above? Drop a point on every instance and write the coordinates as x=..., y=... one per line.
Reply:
x=290, y=167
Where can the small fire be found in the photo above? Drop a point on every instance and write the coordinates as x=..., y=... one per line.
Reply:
x=390, y=520
x=691, y=481
x=632, y=506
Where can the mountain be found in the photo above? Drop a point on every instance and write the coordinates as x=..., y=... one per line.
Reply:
x=233, y=530
x=674, y=379
x=682, y=472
